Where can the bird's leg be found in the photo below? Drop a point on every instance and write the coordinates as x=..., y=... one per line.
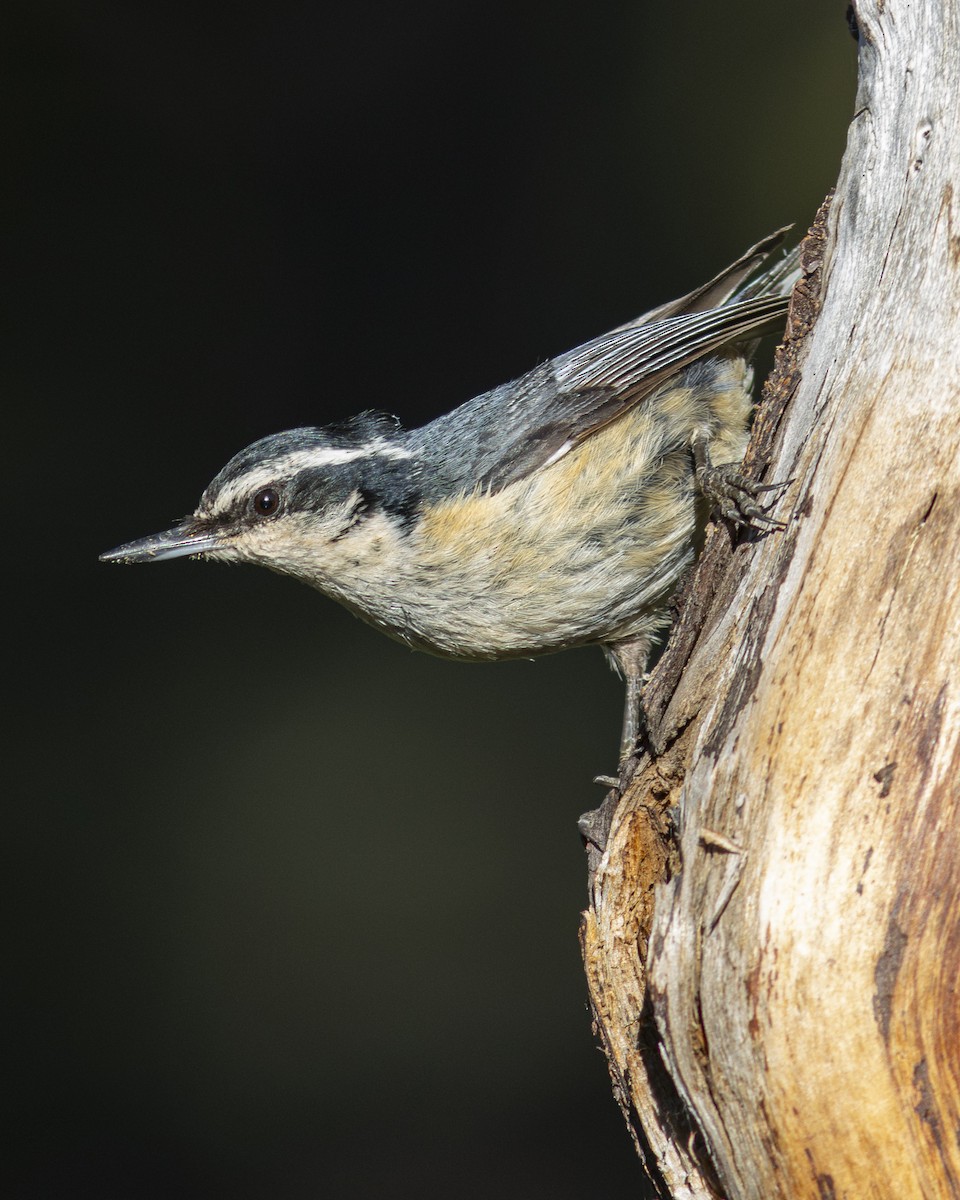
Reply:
x=733, y=495
x=629, y=659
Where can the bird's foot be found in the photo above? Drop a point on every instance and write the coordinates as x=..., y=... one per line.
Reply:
x=735, y=497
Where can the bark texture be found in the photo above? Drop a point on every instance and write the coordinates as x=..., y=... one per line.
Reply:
x=773, y=943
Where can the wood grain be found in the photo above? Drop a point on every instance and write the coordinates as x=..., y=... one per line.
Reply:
x=792, y=954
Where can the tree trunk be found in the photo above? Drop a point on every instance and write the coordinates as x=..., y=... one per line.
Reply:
x=773, y=941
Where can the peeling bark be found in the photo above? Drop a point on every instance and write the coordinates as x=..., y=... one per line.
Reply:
x=773, y=942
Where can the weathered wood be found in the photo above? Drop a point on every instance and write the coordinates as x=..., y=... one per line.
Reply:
x=793, y=955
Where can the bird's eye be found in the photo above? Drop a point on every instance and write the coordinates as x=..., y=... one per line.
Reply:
x=266, y=502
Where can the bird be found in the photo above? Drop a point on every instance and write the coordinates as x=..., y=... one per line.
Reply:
x=557, y=510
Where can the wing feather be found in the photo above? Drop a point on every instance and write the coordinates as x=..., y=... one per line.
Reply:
x=520, y=427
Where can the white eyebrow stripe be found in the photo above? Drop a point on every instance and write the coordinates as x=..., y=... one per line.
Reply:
x=248, y=483
x=300, y=460
x=329, y=456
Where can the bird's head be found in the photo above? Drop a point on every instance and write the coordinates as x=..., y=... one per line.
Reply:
x=294, y=501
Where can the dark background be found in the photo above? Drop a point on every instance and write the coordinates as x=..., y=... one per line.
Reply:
x=293, y=911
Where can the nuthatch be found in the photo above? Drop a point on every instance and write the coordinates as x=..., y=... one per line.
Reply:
x=558, y=510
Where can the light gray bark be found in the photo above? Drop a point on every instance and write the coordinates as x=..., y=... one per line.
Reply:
x=777, y=986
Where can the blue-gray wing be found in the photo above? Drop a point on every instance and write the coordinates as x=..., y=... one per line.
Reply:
x=518, y=428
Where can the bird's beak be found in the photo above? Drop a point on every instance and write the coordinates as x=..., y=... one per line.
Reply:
x=187, y=538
